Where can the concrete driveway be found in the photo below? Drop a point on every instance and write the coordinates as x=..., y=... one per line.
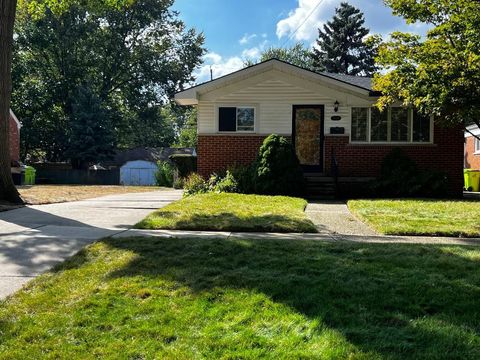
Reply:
x=35, y=238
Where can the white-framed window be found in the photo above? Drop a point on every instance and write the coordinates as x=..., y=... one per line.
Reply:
x=393, y=125
x=477, y=145
x=236, y=118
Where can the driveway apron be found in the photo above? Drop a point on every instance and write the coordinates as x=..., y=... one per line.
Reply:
x=35, y=238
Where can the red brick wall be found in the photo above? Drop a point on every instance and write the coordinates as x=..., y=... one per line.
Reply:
x=217, y=153
x=14, y=140
x=472, y=160
x=365, y=160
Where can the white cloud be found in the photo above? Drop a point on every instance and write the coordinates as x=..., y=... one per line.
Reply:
x=315, y=17
x=378, y=18
x=255, y=52
x=247, y=38
x=219, y=66
x=212, y=57
x=252, y=53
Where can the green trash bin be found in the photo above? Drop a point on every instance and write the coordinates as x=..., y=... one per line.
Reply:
x=30, y=173
x=472, y=179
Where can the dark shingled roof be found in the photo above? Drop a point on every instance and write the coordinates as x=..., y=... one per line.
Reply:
x=360, y=81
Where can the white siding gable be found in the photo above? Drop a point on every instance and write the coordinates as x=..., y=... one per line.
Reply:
x=273, y=94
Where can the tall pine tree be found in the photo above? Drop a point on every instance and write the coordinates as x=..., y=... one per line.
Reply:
x=342, y=47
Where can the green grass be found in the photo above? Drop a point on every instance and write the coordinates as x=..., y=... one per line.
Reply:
x=420, y=217
x=242, y=299
x=232, y=212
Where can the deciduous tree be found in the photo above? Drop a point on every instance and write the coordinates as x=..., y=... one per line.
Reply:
x=8, y=192
x=297, y=54
x=439, y=74
x=134, y=55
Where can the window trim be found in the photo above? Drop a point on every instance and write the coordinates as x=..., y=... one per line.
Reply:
x=476, y=145
x=236, y=106
x=389, y=127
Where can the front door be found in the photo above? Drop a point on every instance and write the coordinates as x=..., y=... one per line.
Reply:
x=308, y=136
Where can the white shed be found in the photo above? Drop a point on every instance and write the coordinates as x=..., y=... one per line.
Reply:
x=138, y=173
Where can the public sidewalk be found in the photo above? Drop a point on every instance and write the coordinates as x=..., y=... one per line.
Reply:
x=322, y=236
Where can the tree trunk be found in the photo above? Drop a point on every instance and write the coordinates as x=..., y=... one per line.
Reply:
x=8, y=192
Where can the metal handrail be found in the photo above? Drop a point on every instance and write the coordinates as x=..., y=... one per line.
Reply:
x=334, y=170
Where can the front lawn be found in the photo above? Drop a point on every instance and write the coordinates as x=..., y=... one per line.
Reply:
x=146, y=298
x=232, y=212
x=50, y=194
x=420, y=217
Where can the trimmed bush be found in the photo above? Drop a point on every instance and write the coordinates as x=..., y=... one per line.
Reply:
x=277, y=170
x=164, y=174
x=400, y=177
x=244, y=176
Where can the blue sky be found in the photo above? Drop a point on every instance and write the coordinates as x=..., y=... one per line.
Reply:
x=239, y=29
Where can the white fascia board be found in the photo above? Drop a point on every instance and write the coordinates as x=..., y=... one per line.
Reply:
x=473, y=129
x=187, y=97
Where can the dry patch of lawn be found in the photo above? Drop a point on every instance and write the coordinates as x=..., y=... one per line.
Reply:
x=51, y=194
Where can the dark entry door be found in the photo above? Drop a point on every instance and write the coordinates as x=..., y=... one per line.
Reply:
x=308, y=136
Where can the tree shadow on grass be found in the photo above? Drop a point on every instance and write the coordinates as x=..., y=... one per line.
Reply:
x=399, y=301
x=227, y=221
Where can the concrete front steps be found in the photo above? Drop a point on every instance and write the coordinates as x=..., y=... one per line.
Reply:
x=320, y=187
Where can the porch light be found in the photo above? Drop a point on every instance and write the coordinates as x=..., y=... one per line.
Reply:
x=336, y=106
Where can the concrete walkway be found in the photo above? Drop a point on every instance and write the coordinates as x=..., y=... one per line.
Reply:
x=35, y=238
x=333, y=217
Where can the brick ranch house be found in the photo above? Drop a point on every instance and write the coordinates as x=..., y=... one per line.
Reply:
x=14, y=137
x=329, y=118
x=472, y=148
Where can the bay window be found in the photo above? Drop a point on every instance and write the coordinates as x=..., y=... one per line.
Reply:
x=379, y=125
x=395, y=124
x=359, y=124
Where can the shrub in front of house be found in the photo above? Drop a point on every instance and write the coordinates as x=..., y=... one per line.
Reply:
x=244, y=176
x=164, y=174
x=195, y=184
x=400, y=177
x=178, y=183
x=277, y=169
x=223, y=184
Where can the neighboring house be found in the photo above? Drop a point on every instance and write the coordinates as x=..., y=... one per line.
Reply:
x=472, y=148
x=14, y=137
x=328, y=117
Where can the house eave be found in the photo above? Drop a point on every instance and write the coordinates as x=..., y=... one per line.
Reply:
x=191, y=96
